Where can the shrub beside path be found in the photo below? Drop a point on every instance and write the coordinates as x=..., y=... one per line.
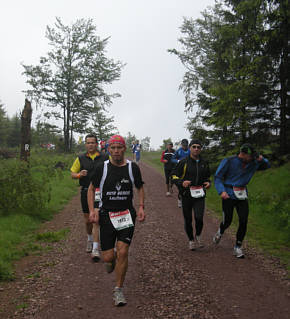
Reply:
x=164, y=279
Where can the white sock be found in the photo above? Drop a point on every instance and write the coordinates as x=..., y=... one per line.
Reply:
x=95, y=245
x=90, y=237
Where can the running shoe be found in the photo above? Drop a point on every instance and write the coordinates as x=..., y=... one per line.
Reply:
x=179, y=203
x=238, y=252
x=89, y=246
x=118, y=297
x=96, y=254
x=168, y=194
x=192, y=245
x=199, y=242
x=110, y=266
x=217, y=237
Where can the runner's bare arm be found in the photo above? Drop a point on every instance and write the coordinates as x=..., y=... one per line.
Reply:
x=94, y=212
x=141, y=195
x=83, y=172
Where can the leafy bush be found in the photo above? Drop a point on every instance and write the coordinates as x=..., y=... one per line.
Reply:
x=27, y=188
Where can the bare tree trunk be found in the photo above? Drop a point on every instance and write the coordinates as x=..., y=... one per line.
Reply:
x=26, y=131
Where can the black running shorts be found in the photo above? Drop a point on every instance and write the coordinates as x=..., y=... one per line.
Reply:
x=84, y=201
x=167, y=173
x=109, y=235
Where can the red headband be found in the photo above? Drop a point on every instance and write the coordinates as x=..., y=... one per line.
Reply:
x=117, y=139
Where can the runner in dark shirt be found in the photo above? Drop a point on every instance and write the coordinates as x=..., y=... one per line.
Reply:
x=114, y=180
x=82, y=169
x=168, y=166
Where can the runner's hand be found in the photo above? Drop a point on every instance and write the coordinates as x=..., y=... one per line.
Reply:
x=141, y=214
x=224, y=195
x=83, y=172
x=206, y=185
x=186, y=184
x=94, y=216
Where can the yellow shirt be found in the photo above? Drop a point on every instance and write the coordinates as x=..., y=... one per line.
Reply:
x=76, y=167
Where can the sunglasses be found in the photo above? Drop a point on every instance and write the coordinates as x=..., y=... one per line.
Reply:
x=196, y=147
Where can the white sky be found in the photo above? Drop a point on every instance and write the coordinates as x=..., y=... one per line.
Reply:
x=141, y=31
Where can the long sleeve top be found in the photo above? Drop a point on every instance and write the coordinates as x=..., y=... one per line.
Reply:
x=233, y=172
x=179, y=155
x=188, y=169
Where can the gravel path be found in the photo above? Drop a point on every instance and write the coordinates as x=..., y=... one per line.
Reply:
x=164, y=279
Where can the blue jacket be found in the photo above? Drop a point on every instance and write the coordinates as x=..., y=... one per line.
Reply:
x=233, y=172
x=179, y=155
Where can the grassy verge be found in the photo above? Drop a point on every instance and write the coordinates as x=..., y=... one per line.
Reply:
x=269, y=200
x=153, y=159
x=17, y=231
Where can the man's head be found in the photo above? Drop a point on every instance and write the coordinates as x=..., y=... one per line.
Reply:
x=247, y=152
x=91, y=143
x=170, y=145
x=184, y=144
x=117, y=148
x=195, y=147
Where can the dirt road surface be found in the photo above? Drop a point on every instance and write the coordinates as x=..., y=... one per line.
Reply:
x=164, y=279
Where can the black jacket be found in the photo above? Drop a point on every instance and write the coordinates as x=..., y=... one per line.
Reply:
x=88, y=164
x=189, y=169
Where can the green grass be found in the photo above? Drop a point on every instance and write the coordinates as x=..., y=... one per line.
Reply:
x=153, y=159
x=269, y=201
x=52, y=237
x=17, y=231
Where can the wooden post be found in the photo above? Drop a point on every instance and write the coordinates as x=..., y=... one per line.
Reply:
x=26, y=131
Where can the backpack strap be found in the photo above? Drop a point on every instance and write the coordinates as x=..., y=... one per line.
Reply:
x=130, y=171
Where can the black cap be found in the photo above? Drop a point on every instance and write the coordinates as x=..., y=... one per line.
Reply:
x=248, y=149
x=196, y=141
x=170, y=143
x=184, y=141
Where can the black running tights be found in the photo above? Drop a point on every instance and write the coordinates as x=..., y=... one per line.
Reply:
x=242, y=208
x=197, y=205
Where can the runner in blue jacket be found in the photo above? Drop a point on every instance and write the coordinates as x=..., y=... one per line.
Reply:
x=182, y=152
x=179, y=154
x=231, y=179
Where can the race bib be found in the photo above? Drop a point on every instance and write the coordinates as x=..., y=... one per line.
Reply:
x=121, y=220
x=197, y=191
x=240, y=192
x=97, y=195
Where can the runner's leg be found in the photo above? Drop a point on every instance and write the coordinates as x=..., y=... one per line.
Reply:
x=108, y=255
x=243, y=213
x=95, y=232
x=198, y=208
x=167, y=175
x=88, y=224
x=121, y=263
x=187, y=214
x=228, y=209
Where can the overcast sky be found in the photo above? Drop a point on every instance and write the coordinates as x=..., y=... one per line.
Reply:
x=141, y=32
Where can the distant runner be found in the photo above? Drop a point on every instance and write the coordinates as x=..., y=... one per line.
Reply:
x=192, y=175
x=82, y=169
x=231, y=178
x=116, y=214
x=168, y=166
x=137, y=151
x=181, y=153
x=133, y=150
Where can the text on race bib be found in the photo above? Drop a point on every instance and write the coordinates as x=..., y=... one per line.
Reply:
x=121, y=220
x=197, y=191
